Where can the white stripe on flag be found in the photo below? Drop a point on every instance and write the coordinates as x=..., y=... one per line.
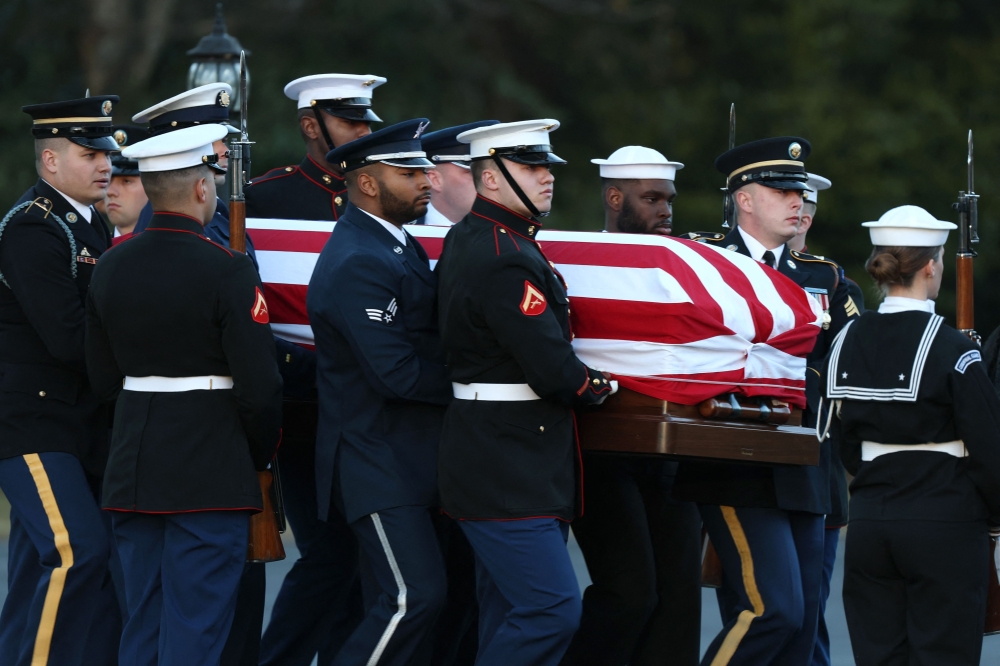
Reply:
x=286, y=267
x=651, y=285
x=764, y=290
x=299, y=333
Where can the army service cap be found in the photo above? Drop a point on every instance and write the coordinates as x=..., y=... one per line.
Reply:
x=778, y=163
x=909, y=226
x=816, y=183
x=639, y=163
x=397, y=145
x=180, y=149
x=85, y=122
x=204, y=105
x=444, y=146
x=526, y=142
x=124, y=136
x=347, y=96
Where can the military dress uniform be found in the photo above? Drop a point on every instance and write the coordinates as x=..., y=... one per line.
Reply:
x=917, y=421
x=509, y=464
x=383, y=387
x=319, y=603
x=768, y=521
x=177, y=325
x=53, y=438
x=642, y=547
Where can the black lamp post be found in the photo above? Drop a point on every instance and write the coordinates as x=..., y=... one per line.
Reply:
x=217, y=59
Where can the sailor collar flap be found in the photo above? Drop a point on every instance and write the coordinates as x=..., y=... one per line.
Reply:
x=900, y=368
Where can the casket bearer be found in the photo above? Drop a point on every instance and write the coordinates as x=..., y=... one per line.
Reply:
x=767, y=522
x=177, y=331
x=643, y=548
x=917, y=422
x=508, y=464
x=452, y=189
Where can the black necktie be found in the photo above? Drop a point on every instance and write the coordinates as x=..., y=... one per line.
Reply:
x=768, y=258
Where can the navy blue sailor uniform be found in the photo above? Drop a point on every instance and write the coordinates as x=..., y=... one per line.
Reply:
x=766, y=521
x=177, y=326
x=509, y=464
x=917, y=422
x=53, y=427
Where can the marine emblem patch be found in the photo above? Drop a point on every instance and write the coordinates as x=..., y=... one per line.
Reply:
x=223, y=99
x=259, y=310
x=386, y=316
x=533, y=302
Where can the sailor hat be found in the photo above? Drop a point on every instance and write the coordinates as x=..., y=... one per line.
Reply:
x=444, y=146
x=85, y=122
x=816, y=183
x=778, y=163
x=396, y=145
x=204, y=105
x=124, y=136
x=347, y=96
x=181, y=149
x=526, y=142
x=909, y=226
x=637, y=162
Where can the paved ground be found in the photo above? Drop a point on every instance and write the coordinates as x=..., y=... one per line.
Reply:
x=710, y=623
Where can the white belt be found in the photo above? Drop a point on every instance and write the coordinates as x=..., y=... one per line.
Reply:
x=495, y=392
x=872, y=450
x=177, y=384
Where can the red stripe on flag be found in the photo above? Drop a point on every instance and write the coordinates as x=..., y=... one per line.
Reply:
x=280, y=240
x=286, y=303
x=668, y=323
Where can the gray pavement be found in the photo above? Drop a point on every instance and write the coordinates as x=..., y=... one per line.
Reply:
x=710, y=622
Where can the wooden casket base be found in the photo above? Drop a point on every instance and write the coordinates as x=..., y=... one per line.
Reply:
x=630, y=422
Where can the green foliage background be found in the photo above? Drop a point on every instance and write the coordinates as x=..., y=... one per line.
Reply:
x=885, y=90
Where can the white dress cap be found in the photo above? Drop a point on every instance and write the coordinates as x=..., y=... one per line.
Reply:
x=331, y=86
x=210, y=94
x=815, y=183
x=182, y=149
x=909, y=226
x=637, y=162
x=508, y=135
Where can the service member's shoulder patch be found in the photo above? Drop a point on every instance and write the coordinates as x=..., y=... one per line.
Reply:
x=259, y=310
x=703, y=236
x=967, y=359
x=533, y=302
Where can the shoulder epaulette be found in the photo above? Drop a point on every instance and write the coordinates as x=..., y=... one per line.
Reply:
x=704, y=236
x=499, y=231
x=280, y=172
x=802, y=256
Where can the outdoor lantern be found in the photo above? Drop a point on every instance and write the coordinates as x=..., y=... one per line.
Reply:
x=217, y=59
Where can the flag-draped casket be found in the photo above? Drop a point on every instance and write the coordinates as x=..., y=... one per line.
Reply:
x=676, y=322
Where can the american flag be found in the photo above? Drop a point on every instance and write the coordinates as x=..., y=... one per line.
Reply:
x=670, y=318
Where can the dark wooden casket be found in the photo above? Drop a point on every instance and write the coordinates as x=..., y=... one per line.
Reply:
x=630, y=422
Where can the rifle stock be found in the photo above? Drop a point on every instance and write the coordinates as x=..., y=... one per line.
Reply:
x=968, y=233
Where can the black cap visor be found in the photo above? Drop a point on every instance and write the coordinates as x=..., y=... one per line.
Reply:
x=105, y=143
x=123, y=167
x=410, y=163
x=778, y=180
x=532, y=155
x=358, y=109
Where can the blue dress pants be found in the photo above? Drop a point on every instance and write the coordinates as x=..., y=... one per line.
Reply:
x=772, y=563
x=182, y=576
x=529, y=598
x=59, y=593
x=821, y=653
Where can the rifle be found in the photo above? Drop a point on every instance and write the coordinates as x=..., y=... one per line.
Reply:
x=968, y=233
x=727, y=201
x=265, y=527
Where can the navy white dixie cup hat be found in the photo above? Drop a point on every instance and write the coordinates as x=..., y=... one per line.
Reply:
x=815, y=183
x=909, y=226
x=204, y=105
x=396, y=145
x=181, y=149
x=526, y=142
x=638, y=163
x=347, y=96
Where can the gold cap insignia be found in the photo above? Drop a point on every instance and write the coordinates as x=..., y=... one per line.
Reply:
x=548, y=128
x=794, y=150
x=120, y=137
x=370, y=82
x=106, y=107
x=493, y=151
x=223, y=99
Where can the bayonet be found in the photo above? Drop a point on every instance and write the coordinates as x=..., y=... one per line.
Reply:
x=727, y=201
x=239, y=169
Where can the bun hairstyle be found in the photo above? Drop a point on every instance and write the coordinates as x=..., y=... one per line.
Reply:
x=896, y=266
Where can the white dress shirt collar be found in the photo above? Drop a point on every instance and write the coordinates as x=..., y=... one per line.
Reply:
x=434, y=218
x=757, y=250
x=84, y=210
x=893, y=304
x=399, y=234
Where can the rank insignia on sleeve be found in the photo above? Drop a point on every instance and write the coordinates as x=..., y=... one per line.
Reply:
x=259, y=310
x=967, y=359
x=386, y=316
x=533, y=302
x=851, y=308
